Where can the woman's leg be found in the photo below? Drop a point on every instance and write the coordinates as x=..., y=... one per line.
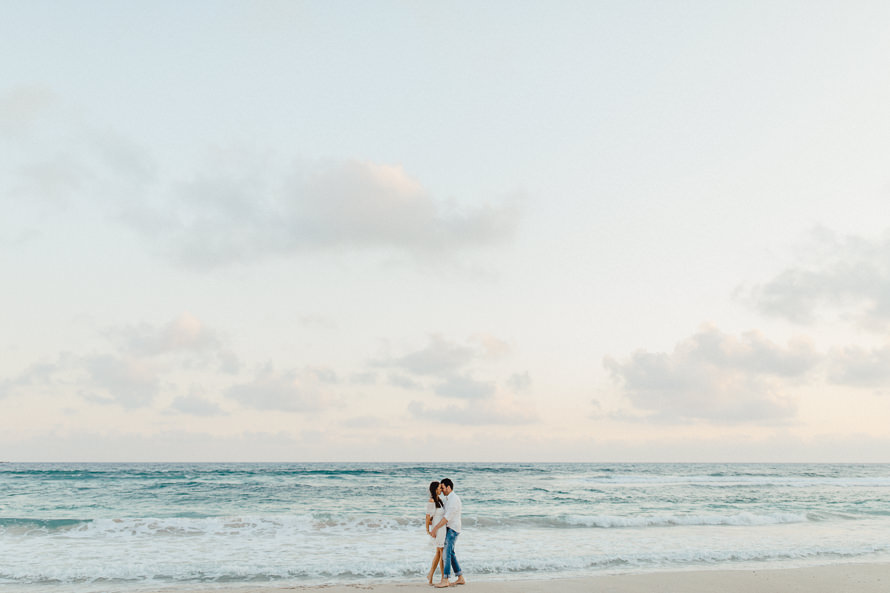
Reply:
x=441, y=560
x=437, y=561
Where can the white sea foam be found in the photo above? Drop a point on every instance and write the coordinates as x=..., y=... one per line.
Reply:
x=606, y=521
x=733, y=480
x=164, y=557
x=287, y=526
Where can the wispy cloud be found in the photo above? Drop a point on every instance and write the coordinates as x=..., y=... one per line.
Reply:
x=465, y=387
x=520, y=382
x=860, y=367
x=235, y=210
x=500, y=412
x=363, y=378
x=196, y=405
x=403, y=381
x=455, y=371
x=713, y=376
x=849, y=275
x=451, y=369
x=55, y=158
x=439, y=356
x=288, y=391
x=217, y=220
x=185, y=335
x=129, y=381
x=136, y=366
x=38, y=375
x=22, y=106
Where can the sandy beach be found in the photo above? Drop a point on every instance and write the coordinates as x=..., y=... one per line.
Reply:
x=839, y=578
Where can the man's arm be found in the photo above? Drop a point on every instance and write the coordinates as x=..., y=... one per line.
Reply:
x=451, y=510
x=454, y=508
x=438, y=525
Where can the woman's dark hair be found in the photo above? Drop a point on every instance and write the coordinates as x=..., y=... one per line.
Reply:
x=435, y=496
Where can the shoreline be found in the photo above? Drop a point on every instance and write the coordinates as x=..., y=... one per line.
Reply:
x=830, y=578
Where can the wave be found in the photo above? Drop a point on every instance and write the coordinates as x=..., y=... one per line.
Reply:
x=306, y=524
x=41, y=523
x=735, y=481
x=245, y=526
x=681, y=558
x=747, y=519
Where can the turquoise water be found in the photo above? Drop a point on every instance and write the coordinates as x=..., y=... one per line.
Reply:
x=104, y=527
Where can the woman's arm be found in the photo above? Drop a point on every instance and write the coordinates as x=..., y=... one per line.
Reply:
x=429, y=519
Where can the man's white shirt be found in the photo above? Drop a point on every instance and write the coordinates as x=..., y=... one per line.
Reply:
x=452, y=510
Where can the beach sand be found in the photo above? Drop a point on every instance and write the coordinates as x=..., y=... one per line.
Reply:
x=839, y=578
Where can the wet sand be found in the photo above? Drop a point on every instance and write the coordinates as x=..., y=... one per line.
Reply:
x=838, y=578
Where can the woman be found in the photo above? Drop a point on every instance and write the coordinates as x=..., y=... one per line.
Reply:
x=434, y=512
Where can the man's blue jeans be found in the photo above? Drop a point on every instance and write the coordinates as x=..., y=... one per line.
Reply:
x=450, y=557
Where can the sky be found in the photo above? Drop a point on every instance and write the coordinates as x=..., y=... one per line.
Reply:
x=443, y=232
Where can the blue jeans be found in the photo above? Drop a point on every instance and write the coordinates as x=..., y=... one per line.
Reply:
x=450, y=557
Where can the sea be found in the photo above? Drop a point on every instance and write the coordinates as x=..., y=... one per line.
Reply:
x=84, y=528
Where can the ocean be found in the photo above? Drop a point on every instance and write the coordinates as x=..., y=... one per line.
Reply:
x=84, y=528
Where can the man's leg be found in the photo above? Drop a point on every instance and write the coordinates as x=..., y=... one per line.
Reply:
x=454, y=565
x=450, y=536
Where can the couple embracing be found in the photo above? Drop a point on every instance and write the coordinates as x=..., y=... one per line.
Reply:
x=443, y=525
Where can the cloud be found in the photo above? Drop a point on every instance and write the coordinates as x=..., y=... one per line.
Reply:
x=21, y=107
x=120, y=159
x=196, y=405
x=503, y=412
x=238, y=207
x=440, y=356
x=18, y=238
x=519, y=382
x=288, y=391
x=39, y=374
x=464, y=387
x=131, y=370
x=57, y=159
x=323, y=374
x=364, y=422
x=366, y=378
x=130, y=382
x=403, y=381
x=131, y=376
x=860, y=367
x=55, y=179
x=849, y=274
x=492, y=347
x=178, y=445
x=317, y=322
x=184, y=335
x=712, y=376
x=449, y=365
x=217, y=220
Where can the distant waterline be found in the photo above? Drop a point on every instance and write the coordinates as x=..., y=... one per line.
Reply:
x=105, y=527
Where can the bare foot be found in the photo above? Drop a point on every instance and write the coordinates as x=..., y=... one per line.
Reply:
x=442, y=584
x=429, y=578
x=460, y=581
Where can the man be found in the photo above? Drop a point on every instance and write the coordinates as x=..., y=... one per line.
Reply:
x=451, y=522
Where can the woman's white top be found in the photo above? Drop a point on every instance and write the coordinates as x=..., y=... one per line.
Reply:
x=436, y=513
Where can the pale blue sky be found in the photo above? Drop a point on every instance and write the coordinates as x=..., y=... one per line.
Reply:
x=358, y=230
